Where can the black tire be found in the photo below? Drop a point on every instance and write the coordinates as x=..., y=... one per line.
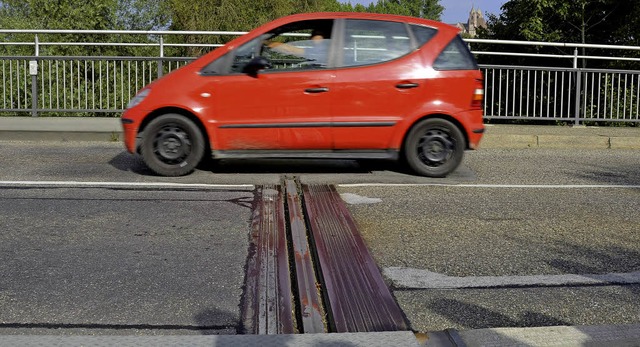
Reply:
x=172, y=145
x=434, y=147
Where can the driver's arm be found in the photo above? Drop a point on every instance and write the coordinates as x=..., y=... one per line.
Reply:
x=285, y=48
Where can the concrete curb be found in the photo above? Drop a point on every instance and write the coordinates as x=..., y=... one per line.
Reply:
x=373, y=339
x=569, y=137
x=624, y=142
x=566, y=336
x=515, y=141
x=60, y=129
x=503, y=136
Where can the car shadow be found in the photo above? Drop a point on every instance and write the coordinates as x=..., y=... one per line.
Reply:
x=316, y=170
x=125, y=161
x=302, y=166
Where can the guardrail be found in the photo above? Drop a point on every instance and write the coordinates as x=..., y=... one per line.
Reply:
x=570, y=95
x=39, y=84
x=100, y=85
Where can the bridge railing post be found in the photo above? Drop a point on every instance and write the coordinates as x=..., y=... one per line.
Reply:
x=33, y=71
x=160, y=61
x=578, y=98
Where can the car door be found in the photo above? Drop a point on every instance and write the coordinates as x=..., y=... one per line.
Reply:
x=284, y=106
x=381, y=81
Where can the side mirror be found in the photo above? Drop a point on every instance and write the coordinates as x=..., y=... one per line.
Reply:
x=256, y=64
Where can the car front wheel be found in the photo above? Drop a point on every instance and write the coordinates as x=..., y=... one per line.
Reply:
x=434, y=147
x=172, y=145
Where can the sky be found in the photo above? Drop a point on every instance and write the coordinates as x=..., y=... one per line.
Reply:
x=456, y=10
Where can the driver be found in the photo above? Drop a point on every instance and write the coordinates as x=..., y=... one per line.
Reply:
x=317, y=52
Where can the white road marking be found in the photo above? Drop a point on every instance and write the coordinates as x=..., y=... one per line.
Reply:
x=163, y=185
x=355, y=199
x=536, y=186
x=411, y=278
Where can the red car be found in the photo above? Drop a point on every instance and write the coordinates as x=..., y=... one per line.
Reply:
x=317, y=85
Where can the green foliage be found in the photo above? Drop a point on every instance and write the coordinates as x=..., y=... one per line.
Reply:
x=81, y=15
x=69, y=14
x=71, y=83
x=239, y=15
x=430, y=9
x=179, y=15
x=574, y=21
x=233, y=15
x=244, y=15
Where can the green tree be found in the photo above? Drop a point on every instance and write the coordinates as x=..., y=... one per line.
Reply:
x=81, y=15
x=79, y=83
x=574, y=21
x=142, y=15
x=430, y=9
x=239, y=15
x=234, y=15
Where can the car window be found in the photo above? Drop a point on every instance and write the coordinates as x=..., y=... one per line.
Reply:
x=245, y=53
x=297, y=46
x=216, y=67
x=423, y=34
x=456, y=56
x=373, y=41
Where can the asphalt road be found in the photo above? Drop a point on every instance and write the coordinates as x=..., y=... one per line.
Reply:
x=144, y=259
x=501, y=242
x=116, y=260
x=526, y=216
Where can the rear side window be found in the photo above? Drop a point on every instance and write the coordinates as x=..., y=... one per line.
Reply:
x=423, y=34
x=372, y=41
x=456, y=56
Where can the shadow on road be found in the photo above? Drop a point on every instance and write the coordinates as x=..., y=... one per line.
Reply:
x=477, y=317
x=207, y=322
x=619, y=175
x=125, y=161
x=301, y=166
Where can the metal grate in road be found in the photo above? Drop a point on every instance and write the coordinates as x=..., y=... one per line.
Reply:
x=309, y=301
x=332, y=283
x=267, y=304
x=359, y=300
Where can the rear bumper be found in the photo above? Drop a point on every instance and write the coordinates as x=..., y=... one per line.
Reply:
x=473, y=125
x=475, y=136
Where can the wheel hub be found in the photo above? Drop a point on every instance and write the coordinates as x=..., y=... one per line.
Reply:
x=172, y=144
x=435, y=147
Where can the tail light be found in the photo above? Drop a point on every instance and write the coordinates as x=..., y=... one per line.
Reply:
x=478, y=97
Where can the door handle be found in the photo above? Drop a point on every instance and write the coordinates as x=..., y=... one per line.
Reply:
x=407, y=85
x=316, y=90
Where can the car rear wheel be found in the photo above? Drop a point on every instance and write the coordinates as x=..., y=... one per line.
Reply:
x=172, y=145
x=434, y=147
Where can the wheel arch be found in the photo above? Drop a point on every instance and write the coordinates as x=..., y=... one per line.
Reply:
x=177, y=110
x=446, y=117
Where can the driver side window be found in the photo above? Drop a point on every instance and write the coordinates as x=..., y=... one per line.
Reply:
x=294, y=47
x=245, y=53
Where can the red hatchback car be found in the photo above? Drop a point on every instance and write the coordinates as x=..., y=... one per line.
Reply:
x=317, y=85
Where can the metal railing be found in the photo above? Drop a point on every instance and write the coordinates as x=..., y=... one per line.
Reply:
x=77, y=84
x=561, y=94
x=38, y=84
x=570, y=95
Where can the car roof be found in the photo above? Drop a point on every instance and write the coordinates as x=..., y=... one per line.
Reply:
x=362, y=15
x=450, y=30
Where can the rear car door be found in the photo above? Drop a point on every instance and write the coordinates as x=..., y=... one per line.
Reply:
x=381, y=80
